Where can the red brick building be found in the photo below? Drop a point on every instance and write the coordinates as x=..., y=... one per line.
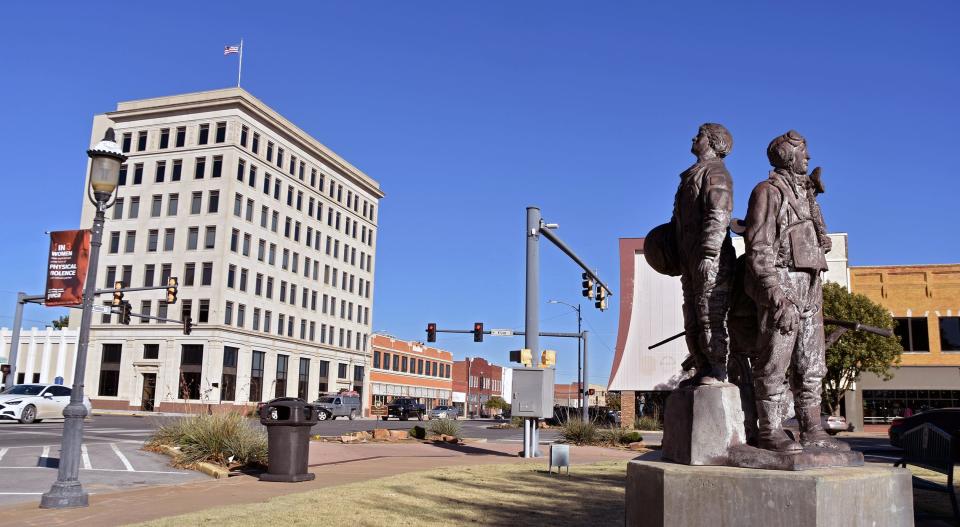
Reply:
x=403, y=368
x=475, y=381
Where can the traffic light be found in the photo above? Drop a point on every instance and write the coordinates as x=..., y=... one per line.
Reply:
x=601, y=302
x=125, y=312
x=172, y=290
x=592, y=391
x=187, y=325
x=478, y=331
x=523, y=356
x=587, y=285
x=431, y=332
x=548, y=359
x=117, y=293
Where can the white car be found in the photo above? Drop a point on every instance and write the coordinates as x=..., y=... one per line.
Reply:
x=31, y=403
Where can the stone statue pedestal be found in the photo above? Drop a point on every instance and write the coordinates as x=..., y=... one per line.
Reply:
x=702, y=423
x=661, y=494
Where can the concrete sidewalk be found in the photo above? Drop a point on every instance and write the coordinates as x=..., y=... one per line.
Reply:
x=333, y=463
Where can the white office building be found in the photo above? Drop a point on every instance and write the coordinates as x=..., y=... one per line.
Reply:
x=272, y=237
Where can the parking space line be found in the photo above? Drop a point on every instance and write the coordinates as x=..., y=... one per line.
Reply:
x=86, y=456
x=107, y=470
x=20, y=493
x=2, y=452
x=45, y=453
x=123, y=458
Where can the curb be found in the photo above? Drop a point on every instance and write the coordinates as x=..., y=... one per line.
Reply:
x=132, y=413
x=214, y=471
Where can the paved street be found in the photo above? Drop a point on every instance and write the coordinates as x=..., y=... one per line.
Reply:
x=111, y=460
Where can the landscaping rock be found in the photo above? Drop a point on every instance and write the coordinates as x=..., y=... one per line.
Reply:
x=637, y=445
x=398, y=434
x=381, y=433
x=348, y=439
x=363, y=436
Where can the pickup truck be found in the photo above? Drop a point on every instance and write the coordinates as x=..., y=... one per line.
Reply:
x=404, y=408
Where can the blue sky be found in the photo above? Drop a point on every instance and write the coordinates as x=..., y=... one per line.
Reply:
x=468, y=112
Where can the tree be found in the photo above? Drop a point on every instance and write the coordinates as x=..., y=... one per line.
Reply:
x=496, y=403
x=61, y=323
x=856, y=351
x=613, y=401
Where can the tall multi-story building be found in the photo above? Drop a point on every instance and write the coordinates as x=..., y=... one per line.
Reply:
x=475, y=381
x=273, y=238
x=404, y=368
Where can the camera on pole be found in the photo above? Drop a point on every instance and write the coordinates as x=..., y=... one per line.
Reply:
x=431, y=332
x=117, y=293
x=172, y=290
x=478, y=331
x=588, y=285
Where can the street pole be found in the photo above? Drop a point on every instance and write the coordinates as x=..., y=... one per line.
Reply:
x=67, y=492
x=15, y=341
x=531, y=337
x=586, y=393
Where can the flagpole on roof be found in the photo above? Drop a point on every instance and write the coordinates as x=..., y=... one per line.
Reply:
x=240, y=66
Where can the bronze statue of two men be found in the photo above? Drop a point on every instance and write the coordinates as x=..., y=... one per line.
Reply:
x=779, y=279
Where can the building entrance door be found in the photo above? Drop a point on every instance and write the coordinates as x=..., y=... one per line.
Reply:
x=149, y=390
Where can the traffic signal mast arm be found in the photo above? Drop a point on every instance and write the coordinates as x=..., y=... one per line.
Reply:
x=514, y=333
x=548, y=234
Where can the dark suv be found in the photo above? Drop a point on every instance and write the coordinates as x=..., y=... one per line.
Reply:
x=404, y=408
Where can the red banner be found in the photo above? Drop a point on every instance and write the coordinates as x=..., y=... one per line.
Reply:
x=67, y=267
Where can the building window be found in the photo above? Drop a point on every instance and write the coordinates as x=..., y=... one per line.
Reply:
x=403, y=365
x=206, y=274
x=145, y=310
x=228, y=380
x=217, y=166
x=191, y=363
x=243, y=136
x=153, y=236
x=130, y=242
x=221, y=132
x=256, y=376
x=193, y=233
x=177, y=170
x=949, y=333
x=210, y=237
x=324, y=374
x=341, y=371
x=304, y=380
x=181, y=136
x=110, y=370
x=912, y=332
x=255, y=145
x=138, y=173
x=281, y=383
x=160, y=172
x=164, y=138
x=127, y=138
x=199, y=168
x=151, y=351
x=114, y=247
x=173, y=203
x=204, y=134
x=213, y=202
x=189, y=270
x=148, y=272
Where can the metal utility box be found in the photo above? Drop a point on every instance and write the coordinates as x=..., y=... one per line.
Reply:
x=533, y=392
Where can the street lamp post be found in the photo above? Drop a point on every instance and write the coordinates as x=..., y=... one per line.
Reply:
x=67, y=492
x=580, y=381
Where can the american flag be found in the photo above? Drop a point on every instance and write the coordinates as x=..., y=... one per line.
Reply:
x=227, y=50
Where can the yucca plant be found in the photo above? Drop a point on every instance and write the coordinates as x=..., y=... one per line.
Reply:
x=578, y=432
x=225, y=439
x=447, y=427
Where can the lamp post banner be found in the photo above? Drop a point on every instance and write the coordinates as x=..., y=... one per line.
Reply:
x=67, y=267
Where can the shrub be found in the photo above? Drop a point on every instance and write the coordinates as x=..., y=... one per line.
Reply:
x=225, y=439
x=447, y=427
x=578, y=432
x=516, y=422
x=418, y=432
x=648, y=423
x=615, y=436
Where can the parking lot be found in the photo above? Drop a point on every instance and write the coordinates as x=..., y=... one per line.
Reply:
x=111, y=459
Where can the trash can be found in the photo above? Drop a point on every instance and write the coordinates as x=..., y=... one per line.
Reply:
x=288, y=421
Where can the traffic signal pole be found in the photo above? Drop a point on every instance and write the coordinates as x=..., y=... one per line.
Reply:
x=531, y=337
x=585, y=406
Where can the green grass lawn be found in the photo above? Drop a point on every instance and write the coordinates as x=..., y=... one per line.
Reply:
x=516, y=494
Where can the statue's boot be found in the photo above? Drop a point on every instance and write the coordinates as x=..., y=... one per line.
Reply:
x=771, y=435
x=717, y=374
x=812, y=433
